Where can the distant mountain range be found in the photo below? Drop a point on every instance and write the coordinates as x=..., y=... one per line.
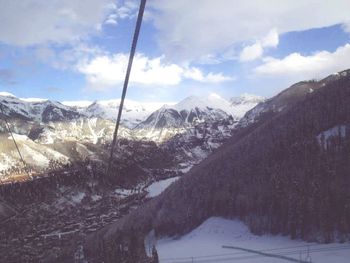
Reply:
x=189, y=110
x=65, y=132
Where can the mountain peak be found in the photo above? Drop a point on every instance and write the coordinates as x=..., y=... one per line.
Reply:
x=213, y=100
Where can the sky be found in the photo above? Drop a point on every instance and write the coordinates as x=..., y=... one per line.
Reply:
x=78, y=50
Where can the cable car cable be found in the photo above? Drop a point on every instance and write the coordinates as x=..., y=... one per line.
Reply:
x=126, y=81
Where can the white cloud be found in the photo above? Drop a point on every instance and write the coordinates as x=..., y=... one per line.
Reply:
x=107, y=71
x=217, y=78
x=127, y=10
x=197, y=75
x=251, y=52
x=32, y=22
x=112, y=19
x=297, y=66
x=256, y=50
x=189, y=30
x=110, y=70
x=271, y=39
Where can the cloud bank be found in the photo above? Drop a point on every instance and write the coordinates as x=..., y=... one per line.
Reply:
x=105, y=71
x=297, y=66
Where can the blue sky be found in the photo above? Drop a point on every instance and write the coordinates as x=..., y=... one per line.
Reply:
x=69, y=50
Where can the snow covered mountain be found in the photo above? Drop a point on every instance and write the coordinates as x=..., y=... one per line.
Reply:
x=141, y=116
x=39, y=110
x=43, y=110
x=133, y=112
x=174, y=119
x=64, y=132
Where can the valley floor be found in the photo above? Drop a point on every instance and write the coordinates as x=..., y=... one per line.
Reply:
x=205, y=244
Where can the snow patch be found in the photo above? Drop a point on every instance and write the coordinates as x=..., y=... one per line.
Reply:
x=124, y=192
x=198, y=152
x=186, y=169
x=96, y=197
x=78, y=197
x=336, y=131
x=158, y=187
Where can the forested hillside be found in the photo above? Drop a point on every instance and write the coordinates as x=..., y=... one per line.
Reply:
x=287, y=172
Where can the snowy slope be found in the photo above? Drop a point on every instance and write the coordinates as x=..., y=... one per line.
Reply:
x=204, y=244
x=35, y=154
x=91, y=130
x=158, y=187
